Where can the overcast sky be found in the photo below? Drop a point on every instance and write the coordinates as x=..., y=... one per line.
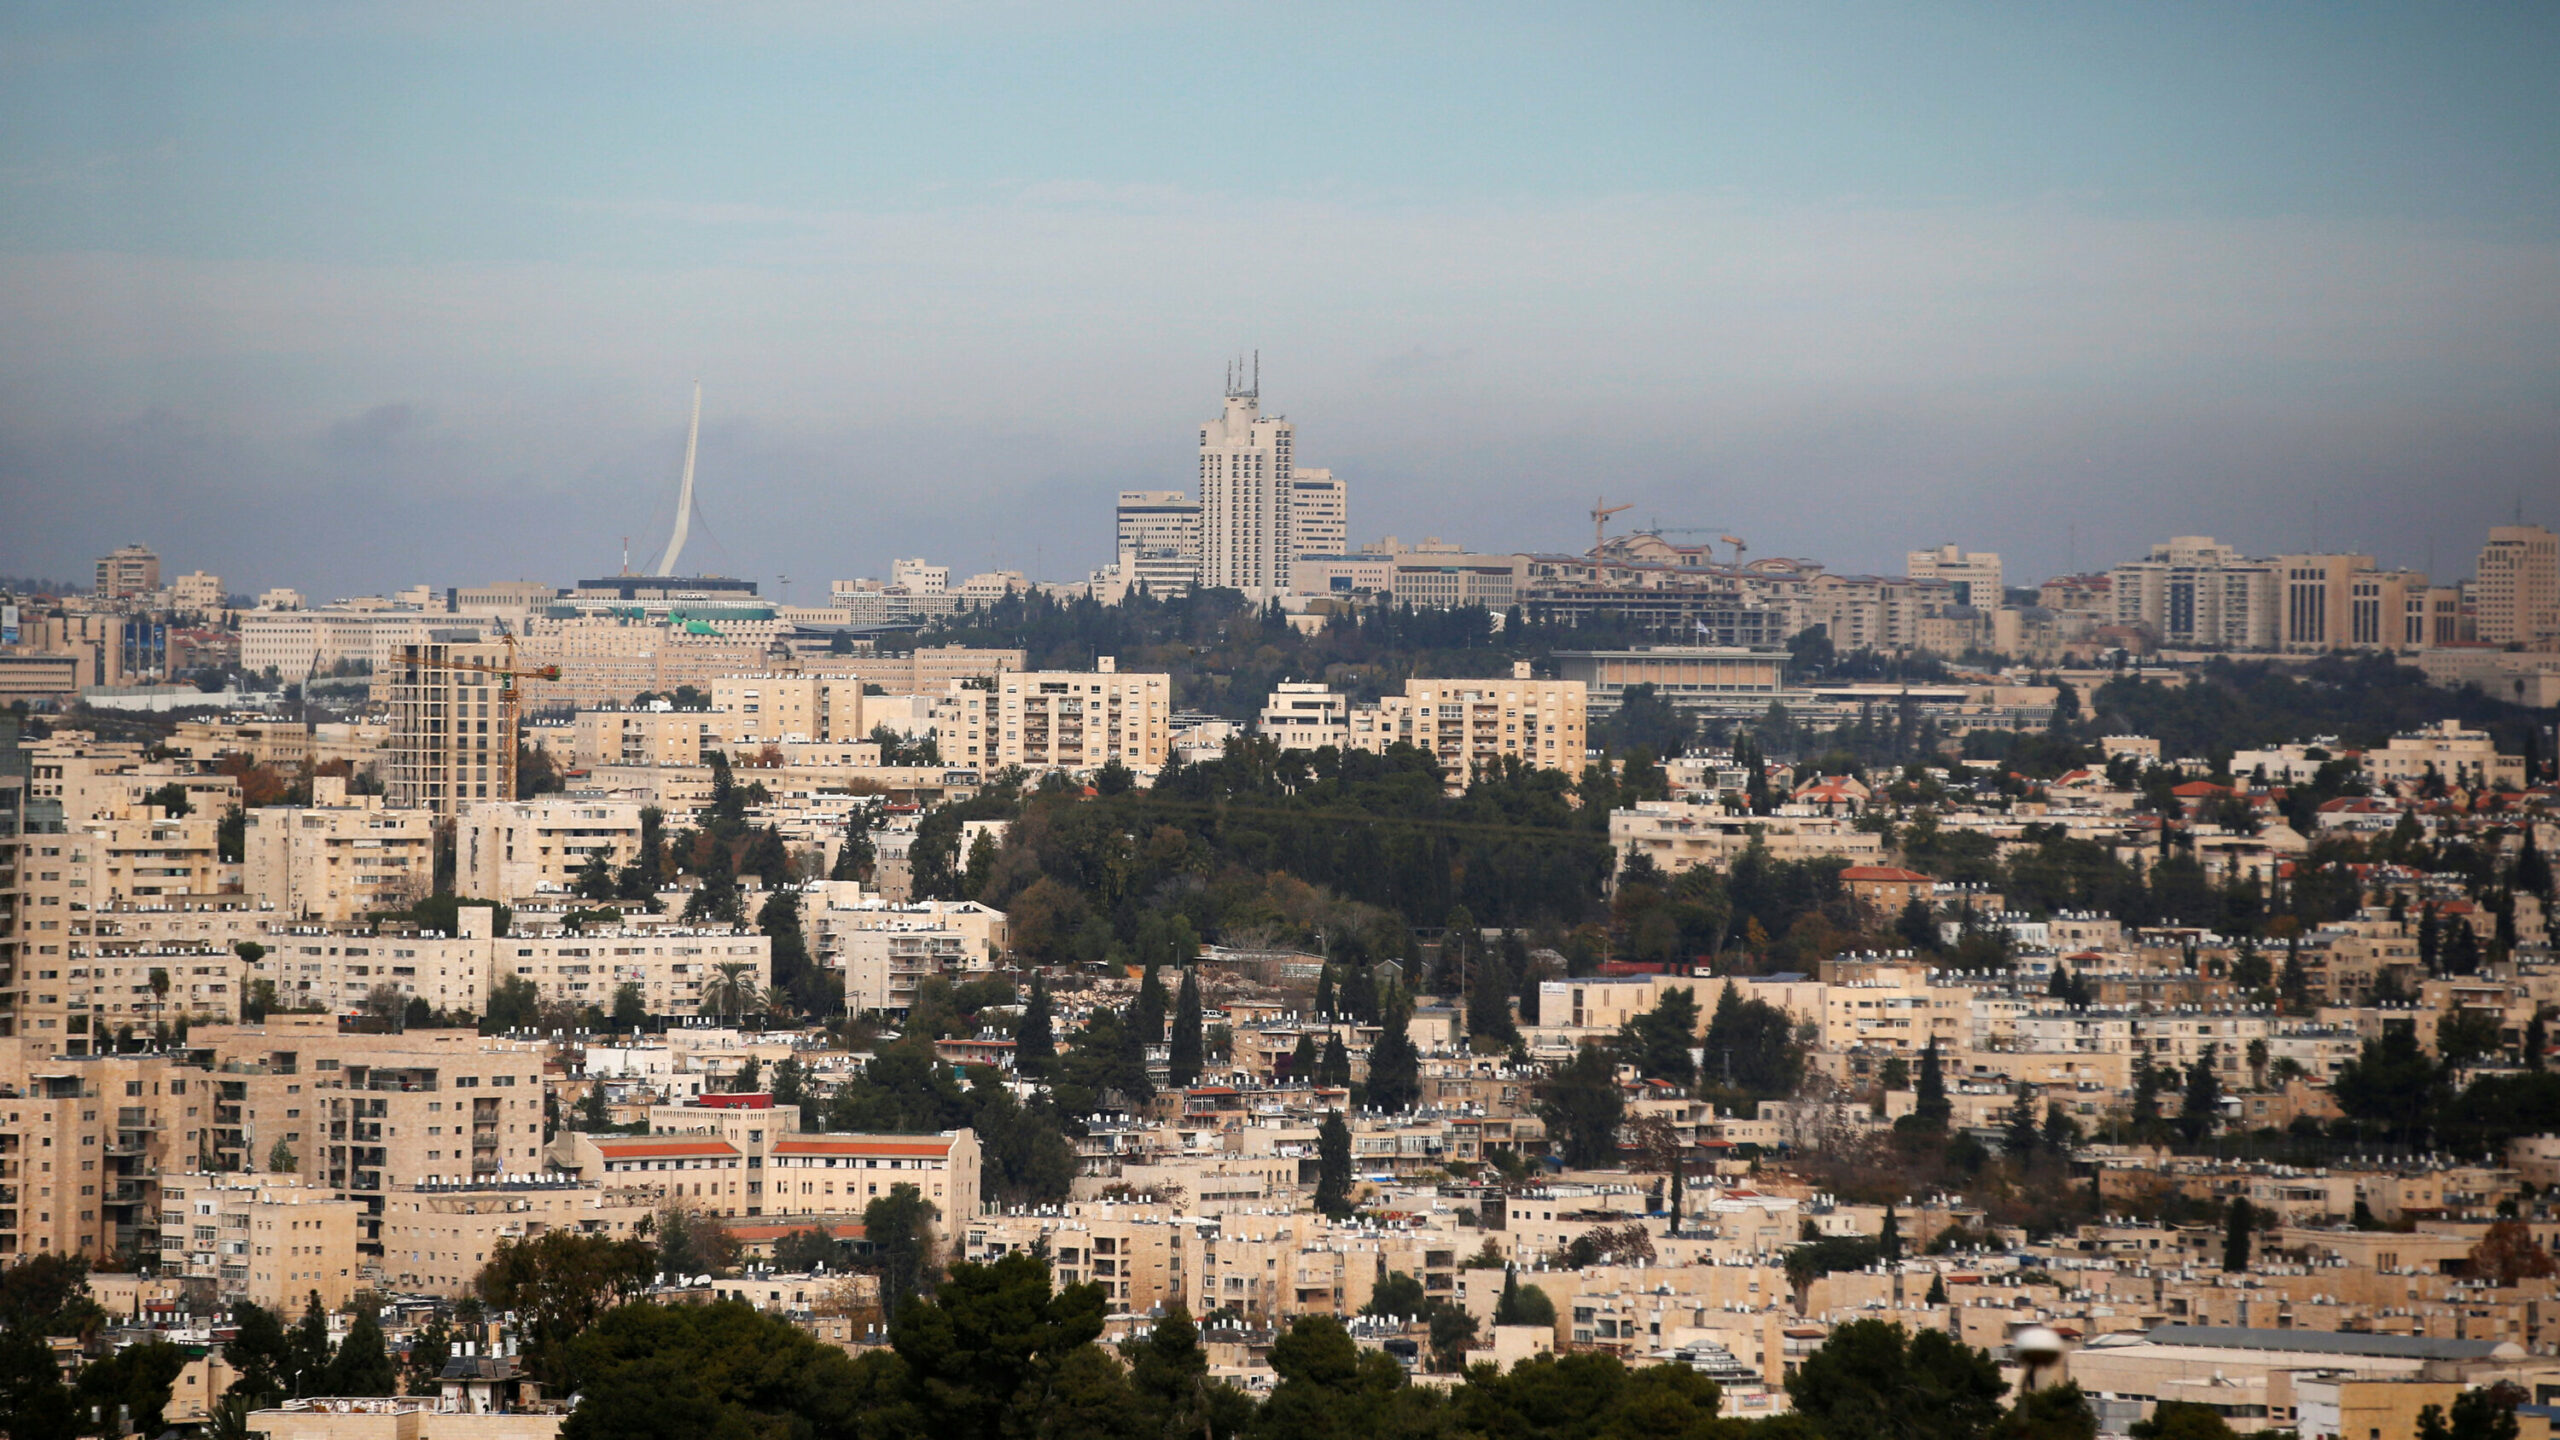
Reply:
x=356, y=296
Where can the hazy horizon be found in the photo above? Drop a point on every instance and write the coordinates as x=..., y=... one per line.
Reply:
x=363, y=297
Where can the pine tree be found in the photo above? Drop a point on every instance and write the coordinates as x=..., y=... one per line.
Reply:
x=1035, y=1044
x=2021, y=1140
x=1187, y=1049
x=363, y=1364
x=1333, y=1166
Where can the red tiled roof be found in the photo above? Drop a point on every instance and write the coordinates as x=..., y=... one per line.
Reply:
x=647, y=1149
x=830, y=1145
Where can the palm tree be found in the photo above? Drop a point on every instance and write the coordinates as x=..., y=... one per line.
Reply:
x=732, y=992
x=160, y=991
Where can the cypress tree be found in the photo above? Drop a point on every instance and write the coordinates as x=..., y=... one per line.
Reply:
x=1395, y=1067
x=1303, y=1068
x=1324, y=991
x=2235, y=1237
x=1889, y=1243
x=1333, y=1166
x=1334, y=1068
x=1937, y=1290
x=1035, y=1043
x=1930, y=1106
x=1150, y=1012
x=1185, y=1065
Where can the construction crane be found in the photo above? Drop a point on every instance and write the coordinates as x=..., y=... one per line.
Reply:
x=507, y=674
x=1601, y=510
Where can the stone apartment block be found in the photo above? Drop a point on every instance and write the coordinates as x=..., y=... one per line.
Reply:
x=1077, y=721
x=519, y=850
x=339, y=858
x=453, y=723
x=370, y=1114
x=83, y=1142
x=271, y=1240
x=743, y=1155
x=1468, y=726
x=336, y=968
x=436, y=1238
x=1682, y=835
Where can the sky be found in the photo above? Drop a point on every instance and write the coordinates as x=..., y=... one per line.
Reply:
x=357, y=296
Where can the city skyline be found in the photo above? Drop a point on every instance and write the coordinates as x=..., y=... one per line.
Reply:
x=1847, y=284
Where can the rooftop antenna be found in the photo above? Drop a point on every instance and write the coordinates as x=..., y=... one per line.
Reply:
x=684, y=493
x=1257, y=391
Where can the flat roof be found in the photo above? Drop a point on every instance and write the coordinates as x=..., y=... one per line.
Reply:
x=2325, y=1342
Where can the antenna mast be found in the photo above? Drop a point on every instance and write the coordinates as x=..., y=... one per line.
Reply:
x=684, y=494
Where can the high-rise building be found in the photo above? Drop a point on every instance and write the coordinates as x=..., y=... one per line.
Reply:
x=2515, y=593
x=1159, y=538
x=1319, y=514
x=126, y=571
x=1246, y=475
x=1976, y=577
x=453, y=724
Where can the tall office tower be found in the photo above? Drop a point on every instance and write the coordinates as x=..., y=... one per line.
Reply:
x=453, y=724
x=2516, y=591
x=1159, y=534
x=1319, y=515
x=1976, y=577
x=1245, y=483
x=128, y=570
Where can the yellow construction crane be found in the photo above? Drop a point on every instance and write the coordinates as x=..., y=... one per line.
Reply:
x=1601, y=510
x=507, y=674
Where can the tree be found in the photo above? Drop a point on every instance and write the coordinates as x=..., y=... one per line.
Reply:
x=981, y=1354
x=48, y=1294
x=1937, y=1289
x=630, y=1007
x=1662, y=1150
x=2201, y=1111
x=693, y=1241
x=731, y=991
x=1523, y=1304
x=1395, y=1067
x=1328, y=1388
x=280, y=1159
x=1889, y=1240
x=2182, y=1420
x=307, y=1349
x=2236, y=1234
x=1333, y=1166
x=260, y=1357
x=560, y=1283
x=1169, y=1373
x=1183, y=1062
x=2050, y=1412
x=38, y=1405
x=1930, y=1108
x=804, y=1251
x=430, y=1346
x=363, y=1363
x=135, y=1382
x=1874, y=1378
x=673, y=1372
x=898, y=1228
x=1305, y=1066
x=1582, y=1107
x=2508, y=1253
x=1035, y=1046
x=1658, y=1041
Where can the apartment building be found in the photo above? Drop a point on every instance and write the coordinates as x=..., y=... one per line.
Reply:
x=454, y=720
x=293, y=643
x=672, y=964
x=128, y=572
x=436, y=1237
x=88, y=777
x=1069, y=720
x=370, y=1114
x=2515, y=591
x=640, y=737
x=1682, y=835
x=2463, y=759
x=1302, y=716
x=1974, y=577
x=1158, y=533
x=339, y=858
x=271, y=1240
x=70, y=992
x=83, y=1142
x=516, y=850
x=735, y=1155
x=1471, y=725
